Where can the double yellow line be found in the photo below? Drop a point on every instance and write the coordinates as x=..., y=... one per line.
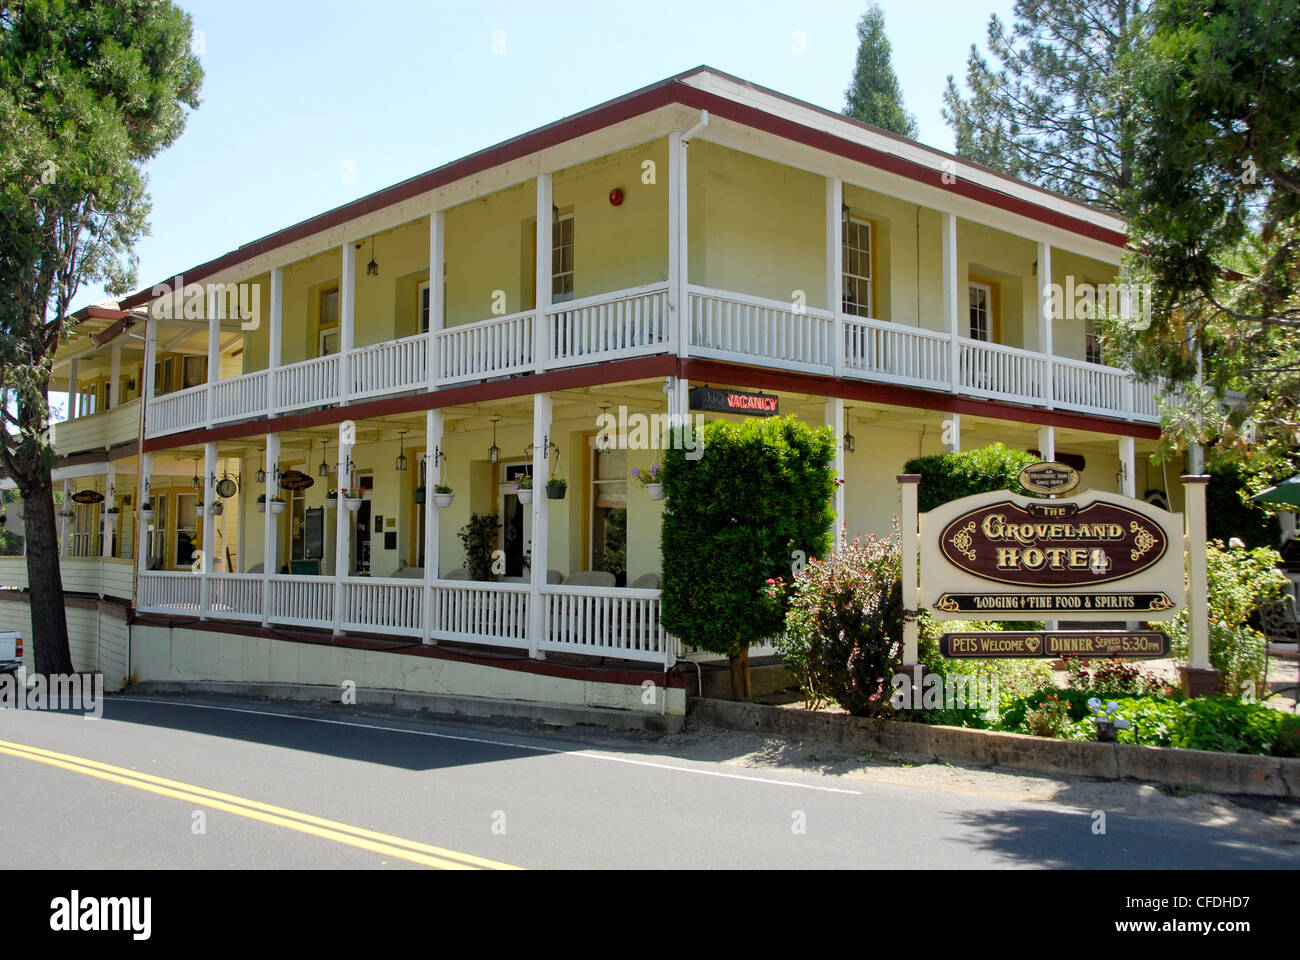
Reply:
x=381, y=843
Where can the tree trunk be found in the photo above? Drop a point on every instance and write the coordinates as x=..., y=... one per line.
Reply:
x=741, y=689
x=45, y=580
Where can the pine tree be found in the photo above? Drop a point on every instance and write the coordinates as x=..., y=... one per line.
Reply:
x=874, y=96
x=1055, y=109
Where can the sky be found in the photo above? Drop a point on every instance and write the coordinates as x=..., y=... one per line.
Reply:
x=308, y=104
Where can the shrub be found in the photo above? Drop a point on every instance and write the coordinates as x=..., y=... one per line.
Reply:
x=1240, y=580
x=951, y=476
x=479, y=537
x=758, y=498
x=1108, y=679
x=844, y=630
x=1224, y=724
x=1051, y=718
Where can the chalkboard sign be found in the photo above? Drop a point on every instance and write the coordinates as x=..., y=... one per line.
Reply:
x=314, y=539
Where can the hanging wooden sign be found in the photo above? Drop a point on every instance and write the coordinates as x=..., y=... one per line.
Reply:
x=295, y=480
x=88, y=496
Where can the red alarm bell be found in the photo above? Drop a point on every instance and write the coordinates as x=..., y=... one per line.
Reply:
x=616, y=197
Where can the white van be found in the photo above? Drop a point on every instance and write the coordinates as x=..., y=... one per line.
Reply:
x=11, y=651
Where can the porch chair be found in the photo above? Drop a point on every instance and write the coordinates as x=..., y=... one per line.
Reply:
x=554, y=577
x=405, y=572
x=258, y=567
x=647, y=581
x=590, y=578
x=460, y=573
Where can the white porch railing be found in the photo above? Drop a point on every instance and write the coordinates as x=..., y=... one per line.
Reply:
x=1091, y=387
x=185, y=410
x=312, y=383
x=391, y=367
x=610, y=622
x=490, y=348
x=387, y=606
x=731, y=326
x=235, y=596
x=605, y=327
x=240, y=398
x=1005, y=373
x=168, y=592
x=474, y=612
x=875, y=350
x=305, y=601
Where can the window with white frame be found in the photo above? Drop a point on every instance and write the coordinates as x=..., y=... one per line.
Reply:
x=857, y=268
x=562, y=259
x=1091, y=341
x=424, y=307
x=981, y=312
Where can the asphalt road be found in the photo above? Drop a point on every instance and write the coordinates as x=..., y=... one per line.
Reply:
x=225, y=783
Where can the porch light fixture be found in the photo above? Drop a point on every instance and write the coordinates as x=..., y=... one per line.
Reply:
x=196, y=483
x=555, y=213
x=261, y=470
x=850, y=444
x=372, y=268
x=844, y=212
x=401, y=452
x=324, y=470
x=494, y=452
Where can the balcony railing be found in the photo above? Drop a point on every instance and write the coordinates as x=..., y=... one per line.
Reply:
x=99, y=431
x=594, y=621
x=634, y=322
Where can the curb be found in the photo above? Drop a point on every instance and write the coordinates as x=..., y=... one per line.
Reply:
x=428, y=704
x=1205, y=770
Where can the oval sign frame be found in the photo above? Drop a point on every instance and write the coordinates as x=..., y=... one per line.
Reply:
x=1145, y=541
x=1056, y=478
x=295, y=480
x=87, y=496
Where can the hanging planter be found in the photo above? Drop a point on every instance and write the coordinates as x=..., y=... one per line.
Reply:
x=556, y=488
x=217, y=509
x=442, y=495
x=261, y=504
x=655, y=490
x=419, y=494
x=332, y=499
x=349, y=501
x=277, y=505
x=650, y=479
x=146, y=510
x=524, y=488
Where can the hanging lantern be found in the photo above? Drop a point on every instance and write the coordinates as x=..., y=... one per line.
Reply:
x=494, y=452
x=401, y=451
x=324, y=470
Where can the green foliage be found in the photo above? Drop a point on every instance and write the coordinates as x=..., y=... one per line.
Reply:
x=951, y=476
x=1230, y=514
x=479, y=538
x=1050, y=717
x=1240, y=581
x=844, y=630
x=874, y=96
x=1054, y=108
x=756, y=501
x=1215, y=223
x=1210, y=723
x=1107, y=679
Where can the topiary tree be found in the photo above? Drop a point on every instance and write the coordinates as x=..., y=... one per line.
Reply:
x=753, y=508
x=951, y=476
x=479, y=537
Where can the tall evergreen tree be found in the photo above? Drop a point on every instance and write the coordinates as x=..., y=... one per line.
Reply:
x=89, y=91
x=874, y=96
x=1055, y=109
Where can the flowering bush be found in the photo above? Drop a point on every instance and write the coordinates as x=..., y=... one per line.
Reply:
x=648, y=476
x=524, y=481
x=1108, y=679
x=1051, y=718
x=844, y=629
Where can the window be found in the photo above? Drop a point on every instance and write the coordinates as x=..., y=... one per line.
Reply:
x=981, y=312
x=187, y=530
x=1091, y=341
x=609, y=513
x=424, y=307
x=86, y=533
x=162, y=377
x=194, y=372
x=329, y=322
x=562, y=259
x=857, y=268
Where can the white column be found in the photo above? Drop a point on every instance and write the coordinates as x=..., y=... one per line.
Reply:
x=1198, y=623
x=952, y=428
x=275, y=339
x=209, y=528
x=115, y=376
x=1045, y=321
x=146, y=373
x=347, y=319
x=835, y=419
x=342, y=531
x=907, y=520
x=1047, y=443
x=109, y=519
x=65, y=534
x=433, y=430
x=214, y=355
x=270, y=528
x=542, y=410
x=143, y=540
x=437, y=257
x=951, y=298
x=678, y=243
x=835, y=267
x=1127, y=467
x=543, y=270
x=74, y=399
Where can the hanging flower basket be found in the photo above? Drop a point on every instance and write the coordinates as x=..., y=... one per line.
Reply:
x=556, y=488
x=217, y=509
x=261, y=504
x=655, y=490
x=332, y=500
x=524, y=488
x=353, y=503
x=277, y=506
x=650, y=479
x=525, y=495
x=442, y=495
x=146, y=510
x=419, y=494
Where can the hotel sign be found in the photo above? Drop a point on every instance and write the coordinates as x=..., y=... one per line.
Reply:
x=1049, y=478
x=1133, y=645
x=1098, y=556
x=734, y=401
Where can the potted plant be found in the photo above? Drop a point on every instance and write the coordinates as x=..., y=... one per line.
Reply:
x=261, y=503
x=442, y=495
x=332, y=499
x=113, y=510
x=524, y=488
x=146, y=509
x=218, y=509
x=277, y=505
x=66, y=512
x=555, y=488
x=419, y=494
x=351, y=499
x=652, y=482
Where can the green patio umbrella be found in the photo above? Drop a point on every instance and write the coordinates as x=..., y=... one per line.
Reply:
x=1288, y=491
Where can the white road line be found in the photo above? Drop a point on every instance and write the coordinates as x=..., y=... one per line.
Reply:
x=587, y=754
